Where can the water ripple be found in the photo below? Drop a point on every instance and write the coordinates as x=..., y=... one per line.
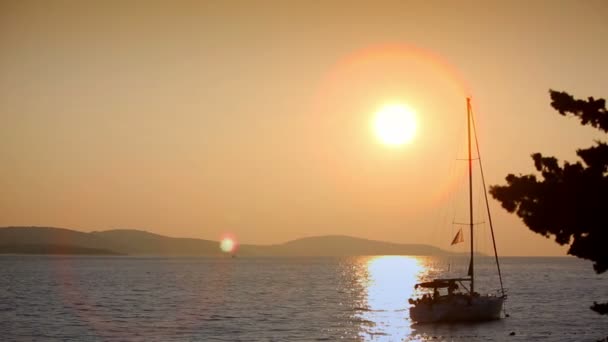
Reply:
x=265, y=299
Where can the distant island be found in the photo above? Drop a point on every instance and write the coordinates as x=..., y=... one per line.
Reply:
x=50, y=240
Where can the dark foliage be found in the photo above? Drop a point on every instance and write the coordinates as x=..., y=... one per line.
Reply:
x=568, y=201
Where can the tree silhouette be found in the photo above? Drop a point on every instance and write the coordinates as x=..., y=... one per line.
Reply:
x=569, y=201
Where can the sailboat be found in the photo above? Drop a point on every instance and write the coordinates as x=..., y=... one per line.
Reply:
x=467, y=306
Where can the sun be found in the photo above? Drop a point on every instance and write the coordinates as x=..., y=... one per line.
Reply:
x=395, y=124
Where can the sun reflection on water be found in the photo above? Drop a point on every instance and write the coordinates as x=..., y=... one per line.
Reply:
x=389, y=282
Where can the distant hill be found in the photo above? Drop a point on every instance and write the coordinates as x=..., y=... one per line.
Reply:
x=339, y=245
x=50, y=240
x=121, y=241
x=139, y=242
x=53, y=249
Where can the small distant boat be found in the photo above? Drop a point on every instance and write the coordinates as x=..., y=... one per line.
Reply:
x=467, y=306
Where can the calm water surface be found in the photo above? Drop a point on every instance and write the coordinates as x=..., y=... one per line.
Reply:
x=282, y=299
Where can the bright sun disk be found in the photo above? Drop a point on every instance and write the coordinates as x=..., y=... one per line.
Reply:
x=395, y=124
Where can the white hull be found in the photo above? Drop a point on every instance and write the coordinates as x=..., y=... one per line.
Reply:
x=458, y=308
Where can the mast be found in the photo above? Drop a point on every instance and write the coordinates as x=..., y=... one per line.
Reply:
x=471, y=264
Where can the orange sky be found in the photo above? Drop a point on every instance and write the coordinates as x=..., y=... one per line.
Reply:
x=197, y=118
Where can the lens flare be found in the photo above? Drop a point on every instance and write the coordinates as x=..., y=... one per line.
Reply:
x=227, y=245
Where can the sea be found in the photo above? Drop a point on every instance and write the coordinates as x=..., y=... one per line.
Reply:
x=126, y=298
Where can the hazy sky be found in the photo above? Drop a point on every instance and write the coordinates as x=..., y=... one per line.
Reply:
x=253, y=117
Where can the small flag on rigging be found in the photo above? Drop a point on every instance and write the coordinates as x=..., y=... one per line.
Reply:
x=458, y=238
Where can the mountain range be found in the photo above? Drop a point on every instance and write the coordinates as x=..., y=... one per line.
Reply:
x=50, y=240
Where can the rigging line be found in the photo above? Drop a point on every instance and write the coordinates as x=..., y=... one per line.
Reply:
x=485, y=193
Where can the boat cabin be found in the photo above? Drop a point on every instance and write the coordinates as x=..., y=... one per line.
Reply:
x=450, y=284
